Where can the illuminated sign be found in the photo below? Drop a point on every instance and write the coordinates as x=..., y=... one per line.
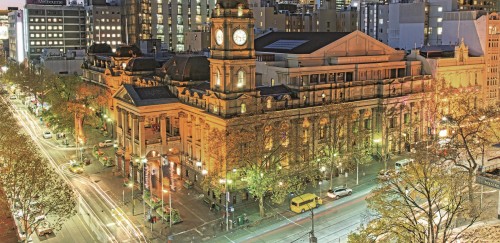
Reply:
x=46, y=2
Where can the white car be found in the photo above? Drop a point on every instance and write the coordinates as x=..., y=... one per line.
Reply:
x=339, y=192
x=106, y=143
x=47, y=135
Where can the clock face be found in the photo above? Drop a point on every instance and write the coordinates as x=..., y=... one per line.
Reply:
x=240, y=37
x=219, y=37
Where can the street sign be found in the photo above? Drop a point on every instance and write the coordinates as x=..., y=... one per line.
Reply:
x=488, y=182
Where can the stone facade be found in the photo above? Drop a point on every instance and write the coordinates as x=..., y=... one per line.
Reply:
x=167, y=132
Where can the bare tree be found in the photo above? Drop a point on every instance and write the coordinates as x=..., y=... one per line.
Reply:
x=465, y=129
x=421, y=204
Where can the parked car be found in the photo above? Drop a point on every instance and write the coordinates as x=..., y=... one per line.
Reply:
x=106, y=143
x=43, y=229
x=339, y=192
x=13, y=97
x=47, y=135
x=384, y=175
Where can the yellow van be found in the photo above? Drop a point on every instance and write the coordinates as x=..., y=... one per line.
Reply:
x=305, y=202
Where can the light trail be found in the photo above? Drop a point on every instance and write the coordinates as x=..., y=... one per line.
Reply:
x=30, y=126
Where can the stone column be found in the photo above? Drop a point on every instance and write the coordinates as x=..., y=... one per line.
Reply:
x=142, y=137
x=132, y=137
x=163, y=132
x=124, y=116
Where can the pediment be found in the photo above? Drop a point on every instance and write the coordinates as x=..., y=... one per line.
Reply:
x=123, y=95
x=356, y=43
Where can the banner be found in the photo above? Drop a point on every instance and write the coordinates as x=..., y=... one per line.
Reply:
x=46, y=2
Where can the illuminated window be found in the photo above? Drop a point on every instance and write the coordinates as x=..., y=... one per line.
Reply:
x=241, y=79
x=440, y=9
x=217, y=78
x=240, y=10
x=243, y=108
x=440, y=20
x=440, y=30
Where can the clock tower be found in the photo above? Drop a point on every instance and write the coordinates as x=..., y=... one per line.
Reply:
x=232, y=57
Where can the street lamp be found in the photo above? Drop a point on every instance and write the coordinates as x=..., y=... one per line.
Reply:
x=111, y=124
x=131, y=184
x=320, y=183
x=144, y=161
x=170, y=205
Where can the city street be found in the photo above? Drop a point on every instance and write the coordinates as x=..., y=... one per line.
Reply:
x=115, y=228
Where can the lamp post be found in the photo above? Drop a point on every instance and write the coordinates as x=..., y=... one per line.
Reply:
x=322, y=170
x=162, y=203
x=111, y=124
x=131, y=184
x=144, y=162
x=377, y=142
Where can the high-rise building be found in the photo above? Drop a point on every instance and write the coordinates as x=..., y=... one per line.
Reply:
x=58, y=26
x=173, y=19
x=16, y=37
x=104, y=23
x=4, y=33
x=136, y=19
x=409, y=23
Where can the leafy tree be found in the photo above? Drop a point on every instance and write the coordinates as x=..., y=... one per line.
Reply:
x=32, y=187
x=269, y=159
x=333, y=130
x=421, y=204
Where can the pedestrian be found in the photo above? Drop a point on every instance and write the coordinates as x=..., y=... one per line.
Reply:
x=212, y=206
x=221, y=225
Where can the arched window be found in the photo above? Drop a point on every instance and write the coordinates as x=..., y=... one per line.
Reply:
x=241, y=79
x=243, y=108
x=217, y=78
x=269, y=104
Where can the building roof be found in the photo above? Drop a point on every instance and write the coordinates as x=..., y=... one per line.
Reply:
x=296, y=42
x=188, y=68
x=100, y=48
x=438, y=48
x=144, y=96
x=232, y=3
x=274, y=90
x=438, y=51
x=128, y=51
x=140, y=64
x=201, y=88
